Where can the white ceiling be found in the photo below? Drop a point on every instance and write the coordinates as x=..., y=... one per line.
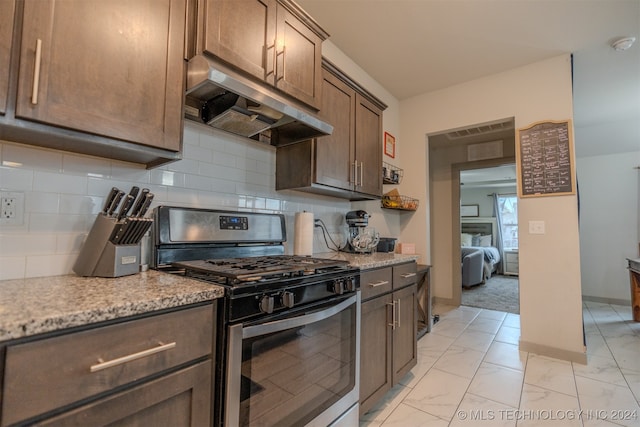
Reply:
x=416, y=46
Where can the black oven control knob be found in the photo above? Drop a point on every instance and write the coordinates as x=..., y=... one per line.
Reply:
x=350, y=284
x=338, y=286
x=288, y=299
x=266, y=304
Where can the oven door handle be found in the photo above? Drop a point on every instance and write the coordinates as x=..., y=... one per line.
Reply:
x=294, y=322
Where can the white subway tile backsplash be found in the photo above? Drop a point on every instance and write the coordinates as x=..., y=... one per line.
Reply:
x=16, y=179
x=40, y=202
x=21, y=244
x=32, y=157
x=80, y=205
x=49, y=265
x=86, y=165
x=54, y=223
x=59, y=183
x=12, y=267
x=218, y=171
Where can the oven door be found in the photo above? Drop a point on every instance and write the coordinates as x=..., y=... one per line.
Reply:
x=299, y=368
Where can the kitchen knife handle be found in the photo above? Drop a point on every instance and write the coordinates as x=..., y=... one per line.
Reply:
x=138, y=205
x=125, y=206
x=147, y=202
x=107, y=203
x=36, y=72
x=116, y=202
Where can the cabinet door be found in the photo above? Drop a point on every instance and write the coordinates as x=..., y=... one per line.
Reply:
x=242, y=33
x=113, y=68
x=179, y=399
x=7, y=8
x=298, y=59
x=405, y=334
x=368, y=152
x=334, y=153
x=375, y=351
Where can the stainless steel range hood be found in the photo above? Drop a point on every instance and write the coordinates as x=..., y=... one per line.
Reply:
x=222, y=98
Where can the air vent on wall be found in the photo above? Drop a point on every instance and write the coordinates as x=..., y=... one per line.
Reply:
x=480, y=130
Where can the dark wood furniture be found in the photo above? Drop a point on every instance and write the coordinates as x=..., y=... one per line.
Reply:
x=154, y=370
x=273, y=41
x=388, y=340
x=423, y=295
x=7, y=8
x=347, y=163
x=100, y=78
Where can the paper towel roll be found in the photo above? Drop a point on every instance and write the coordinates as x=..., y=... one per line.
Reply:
x=303, y=234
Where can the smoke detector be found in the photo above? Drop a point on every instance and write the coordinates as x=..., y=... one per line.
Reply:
x=623, y=43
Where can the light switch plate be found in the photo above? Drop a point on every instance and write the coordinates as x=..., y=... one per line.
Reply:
x=536, y=227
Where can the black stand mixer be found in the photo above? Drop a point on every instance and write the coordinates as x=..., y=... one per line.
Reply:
x=361, y=238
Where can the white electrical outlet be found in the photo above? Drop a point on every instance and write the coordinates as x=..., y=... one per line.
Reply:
x=11, y=208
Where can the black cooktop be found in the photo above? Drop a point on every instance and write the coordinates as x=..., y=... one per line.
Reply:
x=235, y=271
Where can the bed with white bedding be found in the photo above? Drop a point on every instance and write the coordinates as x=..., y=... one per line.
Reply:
x=481, y=233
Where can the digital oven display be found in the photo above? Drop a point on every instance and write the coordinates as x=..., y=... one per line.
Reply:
x=234, y=222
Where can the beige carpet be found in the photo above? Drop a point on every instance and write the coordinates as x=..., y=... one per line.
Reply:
x=498, y=293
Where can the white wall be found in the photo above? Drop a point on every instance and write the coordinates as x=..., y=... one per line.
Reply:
x=550, y=294
x=609, y=224
x=64, y=191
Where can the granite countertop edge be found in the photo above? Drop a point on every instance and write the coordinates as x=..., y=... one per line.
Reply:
x=35, y=306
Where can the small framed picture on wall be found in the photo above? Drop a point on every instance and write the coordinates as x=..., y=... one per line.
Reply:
x=389, y=145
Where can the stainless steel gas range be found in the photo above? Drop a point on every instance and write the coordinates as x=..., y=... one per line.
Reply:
x=288, y=327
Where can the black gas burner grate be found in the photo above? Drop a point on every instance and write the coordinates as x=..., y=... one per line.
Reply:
x=265, y=268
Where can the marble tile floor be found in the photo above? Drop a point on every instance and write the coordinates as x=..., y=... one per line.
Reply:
x=470, y=372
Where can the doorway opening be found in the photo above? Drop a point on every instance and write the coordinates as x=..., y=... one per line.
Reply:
x=489, y=237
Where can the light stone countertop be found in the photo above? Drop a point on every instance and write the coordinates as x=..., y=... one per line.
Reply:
x=369, y=261
x=37, y=305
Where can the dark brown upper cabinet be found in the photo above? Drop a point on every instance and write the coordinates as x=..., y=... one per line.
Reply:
x=7, y=8
x=272, y=41
x=97, y=77
x=347, y=163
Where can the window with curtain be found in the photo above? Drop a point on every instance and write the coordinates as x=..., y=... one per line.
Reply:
x=508, y=211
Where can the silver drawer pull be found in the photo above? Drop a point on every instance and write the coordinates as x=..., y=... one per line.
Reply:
x=120, y=360
x=380, y=283
x=407, y=275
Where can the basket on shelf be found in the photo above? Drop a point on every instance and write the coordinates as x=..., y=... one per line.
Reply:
x=391, y=174
x=399, y=202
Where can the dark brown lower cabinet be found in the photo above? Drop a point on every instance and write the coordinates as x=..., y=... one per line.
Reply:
x=388, y=337
x=182, y=398
x=150, y=370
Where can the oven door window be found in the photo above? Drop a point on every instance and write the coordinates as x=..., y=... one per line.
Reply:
x=296, y=367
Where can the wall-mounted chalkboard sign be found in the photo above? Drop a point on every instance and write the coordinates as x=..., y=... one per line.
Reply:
x=544, y=158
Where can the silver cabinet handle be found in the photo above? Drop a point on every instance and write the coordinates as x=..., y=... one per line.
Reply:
x=355, y=173
x=361, y=174
x=124, y=359
x=407, y=275
x=380, y=283
x=398, y=314
x=36, y=72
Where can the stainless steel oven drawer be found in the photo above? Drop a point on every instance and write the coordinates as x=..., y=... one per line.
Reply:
x=50, y=373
